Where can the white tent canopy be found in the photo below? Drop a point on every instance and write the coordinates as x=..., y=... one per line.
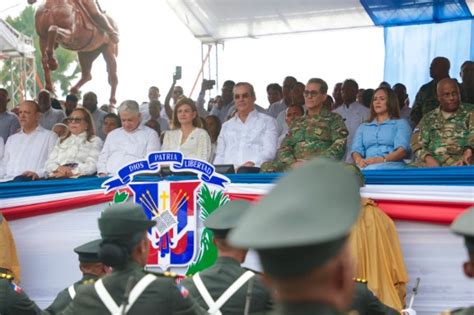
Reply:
x=13, y=43
x=217, y=20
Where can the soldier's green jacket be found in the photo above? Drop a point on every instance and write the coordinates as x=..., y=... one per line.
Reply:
x=460, y=311
x=15, y=302
x=323, y=135
x=425, y=101
x=445, y=139
x=365, y=302
x=161, y=297
x=63, y=298
x=219, y=277
x=304, y=309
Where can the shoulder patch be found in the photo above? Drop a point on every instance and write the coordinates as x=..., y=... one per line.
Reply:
x=360, y=280
x=6, y=276
x=15, y=287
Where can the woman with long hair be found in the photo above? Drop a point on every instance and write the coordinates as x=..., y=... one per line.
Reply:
x=187, y=136
x=76, y=154
x=384, y=140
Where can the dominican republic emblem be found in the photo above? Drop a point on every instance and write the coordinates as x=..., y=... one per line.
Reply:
x=174, y=205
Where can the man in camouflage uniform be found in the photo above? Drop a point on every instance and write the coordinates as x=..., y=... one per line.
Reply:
x=445, y=136
x=319, y=133
x=426, y=99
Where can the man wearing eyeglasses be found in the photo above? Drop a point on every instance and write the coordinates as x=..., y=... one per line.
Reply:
x=250, y=137
x=27, y=150
x=319, y=133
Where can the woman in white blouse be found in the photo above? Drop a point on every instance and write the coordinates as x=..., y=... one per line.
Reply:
x=187, y=136
x=77, y=154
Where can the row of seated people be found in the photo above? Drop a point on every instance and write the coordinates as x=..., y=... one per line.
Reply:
x=250, y=138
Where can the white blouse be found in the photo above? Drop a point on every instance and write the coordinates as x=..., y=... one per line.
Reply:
x=197, y=145
x=76, y=149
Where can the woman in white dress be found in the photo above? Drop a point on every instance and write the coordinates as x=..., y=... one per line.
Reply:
x=187, y=136
x=77, y=154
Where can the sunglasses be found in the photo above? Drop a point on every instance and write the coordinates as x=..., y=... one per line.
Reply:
x=313, y=93
x=75, y=119
x=241, y=96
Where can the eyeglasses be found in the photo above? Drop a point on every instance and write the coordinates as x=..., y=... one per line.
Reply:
x=313, y=93
x=76, y=120
x=241, y=96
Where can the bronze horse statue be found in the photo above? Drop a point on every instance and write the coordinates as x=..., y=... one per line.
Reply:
x=77, y=25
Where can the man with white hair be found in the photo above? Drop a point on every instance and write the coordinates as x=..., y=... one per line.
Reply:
x=126, y=144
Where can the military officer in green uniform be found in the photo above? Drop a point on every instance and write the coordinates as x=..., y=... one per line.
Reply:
x=92, y=269
x=300, y=231
x=319, y=133
x=464, y=225
x=366, y=303
x=226, y=286
x=124, y=247
x=13, y=301
x=445, y=136
x=426, y=100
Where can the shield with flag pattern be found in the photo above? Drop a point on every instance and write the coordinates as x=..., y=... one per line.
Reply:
x=173, y=206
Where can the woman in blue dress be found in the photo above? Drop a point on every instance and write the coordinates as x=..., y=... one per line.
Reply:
x=384, y=140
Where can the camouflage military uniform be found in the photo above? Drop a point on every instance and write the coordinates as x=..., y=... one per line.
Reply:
x=425, y=102
x=445, y=139
x=322, y=135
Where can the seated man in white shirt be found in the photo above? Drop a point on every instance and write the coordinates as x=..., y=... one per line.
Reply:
x=250, y=137
x=131, y=142
x=353, y=113
x=27, y=151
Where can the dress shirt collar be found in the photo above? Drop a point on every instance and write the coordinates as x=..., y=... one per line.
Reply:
x=139, y=128
x=253, y=113
x=37, y=129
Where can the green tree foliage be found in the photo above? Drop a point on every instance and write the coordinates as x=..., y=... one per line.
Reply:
x=68, y=66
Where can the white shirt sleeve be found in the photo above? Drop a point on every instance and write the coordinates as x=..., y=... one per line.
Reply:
x=51, y=142
x=221, y=147
x=203, y=151
x=103, y=156
x=89, y=166
x=153, y=143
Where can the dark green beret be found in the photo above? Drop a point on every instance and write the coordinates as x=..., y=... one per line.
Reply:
x=464, y=226
x=226, y=217
x=120, y=221
x=304, y=220
x=89, y=252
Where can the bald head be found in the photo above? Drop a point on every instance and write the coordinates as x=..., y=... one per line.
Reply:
x=448, y=95
x=439, y=68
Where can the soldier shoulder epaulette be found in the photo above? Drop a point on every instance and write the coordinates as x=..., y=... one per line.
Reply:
x=6, y=276
x=360, y=280
x=88, y=281
x=166, y=274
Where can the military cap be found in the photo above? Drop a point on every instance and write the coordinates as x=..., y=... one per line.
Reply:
x=464, y=225
x=226, y=217
x=308, y=213
x=120, y=221
x=89, y=252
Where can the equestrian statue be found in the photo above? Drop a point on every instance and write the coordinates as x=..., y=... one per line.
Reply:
x=81, y=26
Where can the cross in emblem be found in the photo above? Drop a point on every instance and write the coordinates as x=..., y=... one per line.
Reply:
x=164, y=196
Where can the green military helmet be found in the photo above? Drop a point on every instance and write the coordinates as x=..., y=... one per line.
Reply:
x=464, y=226
x=89, y=252
x=120, y=221
x=226, y=217
x=308, y=213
